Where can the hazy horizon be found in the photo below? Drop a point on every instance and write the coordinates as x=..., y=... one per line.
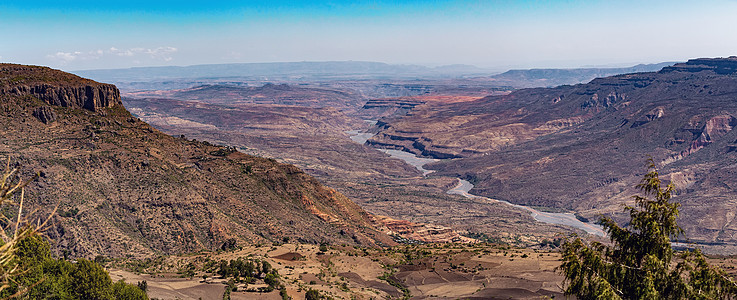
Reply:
x=484, y=69
x=499, y=35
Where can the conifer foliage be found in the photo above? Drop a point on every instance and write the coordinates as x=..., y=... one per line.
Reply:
x=640, y=262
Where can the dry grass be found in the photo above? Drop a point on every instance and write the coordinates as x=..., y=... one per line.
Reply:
x=437, y=271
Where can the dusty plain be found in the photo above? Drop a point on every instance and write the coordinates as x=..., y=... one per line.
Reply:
x=430, y=271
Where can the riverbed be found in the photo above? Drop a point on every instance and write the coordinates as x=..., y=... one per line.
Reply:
x=411, y=159
x=463, y=188
x=565, y=219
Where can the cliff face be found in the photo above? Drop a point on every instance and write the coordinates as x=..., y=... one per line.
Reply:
x=48, y=85
x=88, y=97
x=721, y=66
x=125, y=188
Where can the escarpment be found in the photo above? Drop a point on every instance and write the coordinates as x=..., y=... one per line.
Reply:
x=48, y=85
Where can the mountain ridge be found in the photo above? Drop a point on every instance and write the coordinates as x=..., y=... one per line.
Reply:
x=528, y=78
x=294, y=70
x=125, y=188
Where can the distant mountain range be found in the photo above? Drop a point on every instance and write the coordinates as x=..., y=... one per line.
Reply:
x=555, y=77
x=143, y=78
x=284, y=71
x=280, y=94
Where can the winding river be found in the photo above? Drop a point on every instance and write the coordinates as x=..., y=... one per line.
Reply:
x=411, y=159
x=463, y=188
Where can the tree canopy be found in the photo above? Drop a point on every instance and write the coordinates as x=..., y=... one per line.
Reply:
x=47, y=278
x=639, y=263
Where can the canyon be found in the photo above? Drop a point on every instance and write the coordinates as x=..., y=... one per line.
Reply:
x=305, y=122
x=581, y=147
x=526, y=147
x=458, y=174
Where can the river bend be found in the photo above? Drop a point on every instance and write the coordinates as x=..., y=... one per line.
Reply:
x=463, y=188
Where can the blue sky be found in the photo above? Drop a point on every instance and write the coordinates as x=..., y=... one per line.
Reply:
x=74, y=35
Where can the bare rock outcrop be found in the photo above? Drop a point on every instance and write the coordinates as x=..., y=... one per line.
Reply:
x=426, y=233
x=124, y=188
x=45, y=114
x=89, y=97
x=56, y=87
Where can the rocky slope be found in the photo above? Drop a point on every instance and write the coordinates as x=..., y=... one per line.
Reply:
x=314, y=140
x=125, y=188
x=583, y=147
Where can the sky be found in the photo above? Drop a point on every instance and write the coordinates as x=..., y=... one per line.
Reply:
x=79, y=35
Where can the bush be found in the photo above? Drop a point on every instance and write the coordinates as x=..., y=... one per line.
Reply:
x=90, y=281
x=283, y=294
x=143, y=285
x=124, y=291
x=313, y=295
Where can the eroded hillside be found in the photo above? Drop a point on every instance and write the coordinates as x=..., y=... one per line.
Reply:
x=125, y=188
x=578, y=147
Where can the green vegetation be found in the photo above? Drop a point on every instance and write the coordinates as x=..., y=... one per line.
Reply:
x=483, y=237
x=229, y=245
x=313, y=295
x=247, y=271
x=226, y=294
x=283, y=294
x=224, y=151
x=48, y=278
x=639, y=264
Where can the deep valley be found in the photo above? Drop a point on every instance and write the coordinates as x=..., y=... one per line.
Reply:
x=365, y=188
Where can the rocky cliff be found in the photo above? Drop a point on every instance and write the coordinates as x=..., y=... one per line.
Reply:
x=46, y=85
x=124, y=188
x=721, y=66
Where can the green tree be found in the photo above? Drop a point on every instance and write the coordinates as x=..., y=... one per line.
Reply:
x=35, y=257
x=49, y=278
x=639, y=263
x=124, y=291
x=272, y=280
x=283, y=293
x=143, y=285
x=91, y=281
x=313, y=295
